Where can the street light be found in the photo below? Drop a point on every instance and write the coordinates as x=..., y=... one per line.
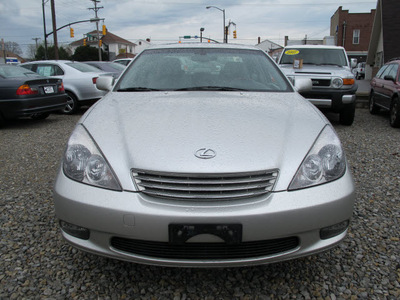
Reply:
x=223, y=14
x=201, y=34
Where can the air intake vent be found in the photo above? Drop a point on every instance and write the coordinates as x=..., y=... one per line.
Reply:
x=205, y=186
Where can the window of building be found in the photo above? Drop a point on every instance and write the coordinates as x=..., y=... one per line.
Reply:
x=356, y=36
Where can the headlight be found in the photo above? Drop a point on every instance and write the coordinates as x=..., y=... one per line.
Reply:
x=337, y=83
x=325, y=162
x=84, y=162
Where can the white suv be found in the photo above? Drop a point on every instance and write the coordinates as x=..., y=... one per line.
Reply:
x=333, y=84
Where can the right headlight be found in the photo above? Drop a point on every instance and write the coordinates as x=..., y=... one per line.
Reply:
x=324, y=162
x=84, y=162
x=337, y=83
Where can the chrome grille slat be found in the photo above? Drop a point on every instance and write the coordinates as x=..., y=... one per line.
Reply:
x=211, y=188
x=224, y=186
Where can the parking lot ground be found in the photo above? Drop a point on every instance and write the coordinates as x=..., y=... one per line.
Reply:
x=37, y=264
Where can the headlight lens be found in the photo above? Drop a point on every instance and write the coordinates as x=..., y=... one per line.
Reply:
x=84, y=162
x=325, y=162
x=337, y=83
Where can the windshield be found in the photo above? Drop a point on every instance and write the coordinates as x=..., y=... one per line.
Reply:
x=9, y=71
x=203, y=69
x=315, y=56
x=82, y=67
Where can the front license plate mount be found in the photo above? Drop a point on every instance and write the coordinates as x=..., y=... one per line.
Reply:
x=180, y=233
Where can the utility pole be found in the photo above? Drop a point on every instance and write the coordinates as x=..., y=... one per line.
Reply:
x=44, y=29
x=36, y=39
x=53, y=15
x=96, y=9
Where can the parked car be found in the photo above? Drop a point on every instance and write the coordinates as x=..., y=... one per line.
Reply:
x=26, y=94
x=385, y=91
x=123, y=61
x=180, y=166
x=79, y=80
x=359, y=70
x=328, y=67
x=107, y=66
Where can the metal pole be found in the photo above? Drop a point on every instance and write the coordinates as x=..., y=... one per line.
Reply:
x=53, y=15
x=97, y=25
x=225, y=33
x=44, y=29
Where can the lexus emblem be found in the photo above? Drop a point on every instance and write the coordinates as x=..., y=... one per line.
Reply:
x=205, y=153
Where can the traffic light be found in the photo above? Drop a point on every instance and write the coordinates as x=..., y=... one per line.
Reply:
x=84, y=42
x=234, y=34
x=100, y=43
x=104, y=30
x=71, y=32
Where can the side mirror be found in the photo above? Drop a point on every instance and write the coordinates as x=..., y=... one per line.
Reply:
x=389, y=77
x=105, y=83
x=303, y=84
x=353, y=63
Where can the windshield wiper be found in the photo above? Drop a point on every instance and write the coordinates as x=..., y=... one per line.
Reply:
x=211, y=88
x=137, y=89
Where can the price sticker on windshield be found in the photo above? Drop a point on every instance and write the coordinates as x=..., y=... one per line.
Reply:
x=48, y=89
x=292, y=52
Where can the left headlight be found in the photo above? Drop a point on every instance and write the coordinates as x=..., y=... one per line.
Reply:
x=84, y=162
x=324, y=162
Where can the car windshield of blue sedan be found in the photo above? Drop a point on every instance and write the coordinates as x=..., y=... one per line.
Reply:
x=194, y=69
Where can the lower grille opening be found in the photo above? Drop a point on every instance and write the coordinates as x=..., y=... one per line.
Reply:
x=205, y=250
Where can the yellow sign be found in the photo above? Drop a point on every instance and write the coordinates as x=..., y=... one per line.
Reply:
x=292, y=52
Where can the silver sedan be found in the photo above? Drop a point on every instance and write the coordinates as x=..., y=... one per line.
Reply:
x=203, y=155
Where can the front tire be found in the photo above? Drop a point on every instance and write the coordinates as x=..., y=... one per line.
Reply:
x=346, y=116
x=72, y=104
x=373, y=109
x=395, y=113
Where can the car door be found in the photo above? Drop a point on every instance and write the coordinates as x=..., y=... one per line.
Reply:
x=378, y=84
x=389, y=85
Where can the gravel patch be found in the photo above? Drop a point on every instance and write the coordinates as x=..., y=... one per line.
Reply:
x=37, y=264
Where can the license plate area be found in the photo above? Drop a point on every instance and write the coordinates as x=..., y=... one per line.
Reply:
x=48, y=89
x=180, y=233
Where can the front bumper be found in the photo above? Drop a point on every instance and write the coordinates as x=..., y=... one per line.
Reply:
x=129, y=216
x=331, y=98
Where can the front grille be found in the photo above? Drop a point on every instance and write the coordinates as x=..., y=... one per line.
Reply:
x=205, y=250
x=321, y=82
x=205, y=186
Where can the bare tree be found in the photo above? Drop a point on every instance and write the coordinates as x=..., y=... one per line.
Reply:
x=31, y=51
x=13, y=47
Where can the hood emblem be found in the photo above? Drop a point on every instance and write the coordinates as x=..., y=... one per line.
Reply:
x=205, y=153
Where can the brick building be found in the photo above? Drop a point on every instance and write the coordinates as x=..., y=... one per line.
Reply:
x=353, y=32
x=385, y=43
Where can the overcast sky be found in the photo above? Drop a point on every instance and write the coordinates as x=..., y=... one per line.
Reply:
x=164, y=21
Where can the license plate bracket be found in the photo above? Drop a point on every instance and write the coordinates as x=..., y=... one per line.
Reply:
x=48, y=89
x=180, y=233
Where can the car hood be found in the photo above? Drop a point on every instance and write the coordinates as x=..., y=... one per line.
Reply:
x=317, y=70
x=161, y=131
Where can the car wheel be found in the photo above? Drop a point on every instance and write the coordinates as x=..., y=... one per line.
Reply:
x=72, y=104
x=373, y=109
x=346, y=116
x=40, y=116
x=395, y=113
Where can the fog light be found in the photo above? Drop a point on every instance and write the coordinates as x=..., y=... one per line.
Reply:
x=75, y=230
x=331, y=231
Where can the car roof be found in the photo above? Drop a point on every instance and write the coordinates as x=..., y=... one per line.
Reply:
x=314, y=47
x=203, y=45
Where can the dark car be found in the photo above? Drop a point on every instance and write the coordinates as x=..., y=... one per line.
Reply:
x=24, y=93
x=107, y=66
x=385, y=91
